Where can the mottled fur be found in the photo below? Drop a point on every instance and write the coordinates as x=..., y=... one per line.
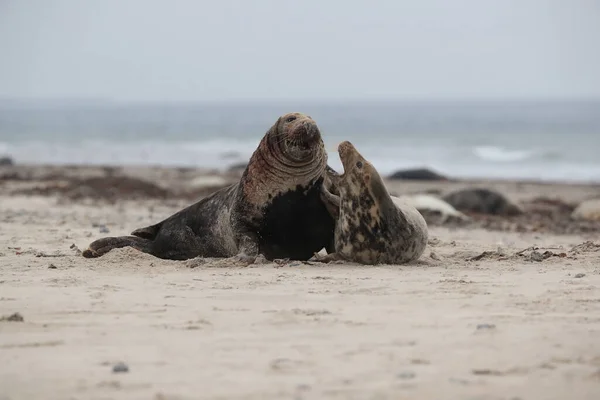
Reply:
x=274, y=210
x=370, y=228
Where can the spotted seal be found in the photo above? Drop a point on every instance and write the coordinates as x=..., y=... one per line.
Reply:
x=371, y=227
x=276, y=208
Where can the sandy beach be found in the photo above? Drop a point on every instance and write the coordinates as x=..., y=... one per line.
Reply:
x=499, y=308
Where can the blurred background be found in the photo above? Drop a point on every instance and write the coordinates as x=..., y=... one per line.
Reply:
x=479, y=88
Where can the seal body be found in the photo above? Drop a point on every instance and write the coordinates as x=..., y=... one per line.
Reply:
x=276, y=208
x=429, y=204
x=418, y=174
x=587, y=210
x=481, y=200
x=371, y=228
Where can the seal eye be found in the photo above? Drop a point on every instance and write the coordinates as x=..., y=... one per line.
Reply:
x=290, y=119
x=359, y=164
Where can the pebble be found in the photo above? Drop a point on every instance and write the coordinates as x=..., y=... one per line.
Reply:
x=406, y=375
x=75, y=248
x=120, y=367
x=536, y=256
x=579, y=275
x=101, y=227
x=458, y=380
x=486, y=326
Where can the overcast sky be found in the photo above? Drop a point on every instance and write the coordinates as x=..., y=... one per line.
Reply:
x=310, y=49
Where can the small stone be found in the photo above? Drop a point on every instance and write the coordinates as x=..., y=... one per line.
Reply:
x=406, y=375
x=303, y=387
x=580, y=275
x=536, y=256
x=419, y=361
x=75, y=249
x=281, y=364
x=120, y=367
x=486, y=326
x=103, y=229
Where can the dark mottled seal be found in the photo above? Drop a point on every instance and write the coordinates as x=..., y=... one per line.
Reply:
x=275, y=209
x=420, y=174
x=371, y=228
x=480, y=200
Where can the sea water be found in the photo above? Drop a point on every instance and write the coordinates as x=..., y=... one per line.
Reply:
x=545, y=140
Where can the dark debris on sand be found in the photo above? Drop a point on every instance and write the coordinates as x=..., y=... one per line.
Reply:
x=110, y=188
x=535, y=254
x=16, y=317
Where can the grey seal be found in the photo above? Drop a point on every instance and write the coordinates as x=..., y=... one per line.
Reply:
x=481, y=200
x=371, y=227
x=275, y=210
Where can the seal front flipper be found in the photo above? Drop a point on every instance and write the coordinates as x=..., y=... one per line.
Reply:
x=148, y=232
x=104, y=245
x=331, y=201
x=247, y=243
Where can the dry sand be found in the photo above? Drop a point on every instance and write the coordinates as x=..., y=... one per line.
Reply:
x=502, y=326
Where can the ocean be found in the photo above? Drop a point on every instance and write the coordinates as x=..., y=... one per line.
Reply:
x=547, y=140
